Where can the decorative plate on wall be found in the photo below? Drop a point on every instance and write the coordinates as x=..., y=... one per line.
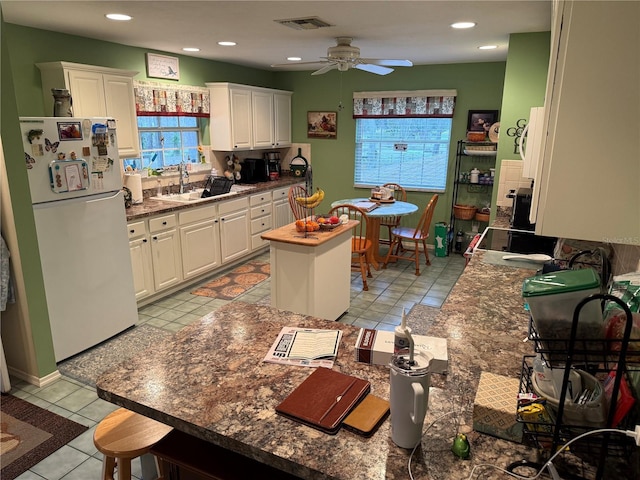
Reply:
x=494, y=132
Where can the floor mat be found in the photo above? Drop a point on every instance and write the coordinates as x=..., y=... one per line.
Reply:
x=87, y=367
x=29, y=434
x=236, y=282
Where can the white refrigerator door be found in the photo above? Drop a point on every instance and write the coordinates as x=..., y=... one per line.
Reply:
x=86, y=266
x=48, y=151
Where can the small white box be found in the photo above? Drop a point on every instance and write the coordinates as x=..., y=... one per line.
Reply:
x=376, y=347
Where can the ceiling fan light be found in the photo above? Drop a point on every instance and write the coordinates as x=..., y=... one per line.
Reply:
x=343, y=67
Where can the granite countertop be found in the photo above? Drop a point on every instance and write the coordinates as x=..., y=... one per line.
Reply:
x=150, y=206
x=209, y=381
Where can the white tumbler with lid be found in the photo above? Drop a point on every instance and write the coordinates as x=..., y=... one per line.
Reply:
x=409, y=396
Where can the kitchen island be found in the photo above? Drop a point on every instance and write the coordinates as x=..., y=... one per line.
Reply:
x=210, y=382
x=311, y=271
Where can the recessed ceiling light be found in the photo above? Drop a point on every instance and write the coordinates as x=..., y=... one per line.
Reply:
x=193, y=49
x=227, y=44
x=294, y=59
x=488, y=47
x=118, y=16
x=463, y=25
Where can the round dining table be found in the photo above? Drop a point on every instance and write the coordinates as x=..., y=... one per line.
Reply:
x=395, y=209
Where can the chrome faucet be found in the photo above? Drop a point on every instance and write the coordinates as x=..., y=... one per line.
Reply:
x=183, y=176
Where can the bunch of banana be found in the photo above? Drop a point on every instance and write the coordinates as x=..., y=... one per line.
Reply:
x=313, y=201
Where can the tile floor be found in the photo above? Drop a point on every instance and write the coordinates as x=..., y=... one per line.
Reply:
x=390, y=290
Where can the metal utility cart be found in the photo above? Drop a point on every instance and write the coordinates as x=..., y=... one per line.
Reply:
x=603, y=359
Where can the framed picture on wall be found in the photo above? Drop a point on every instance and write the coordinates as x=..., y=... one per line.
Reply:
x=162, y=66
x=322, y=125
x=481, y=120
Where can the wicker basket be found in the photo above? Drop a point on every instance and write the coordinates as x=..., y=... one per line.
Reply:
x=482, y=217
x=464, y=212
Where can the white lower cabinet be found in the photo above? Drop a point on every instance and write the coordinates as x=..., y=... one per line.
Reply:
x=199, y=241
x=140, y=251
x=165, y=251
x=169, y=249
x=282, y=214
x=234, y=229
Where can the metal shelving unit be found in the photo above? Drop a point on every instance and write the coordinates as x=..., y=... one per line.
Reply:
x=471, y=154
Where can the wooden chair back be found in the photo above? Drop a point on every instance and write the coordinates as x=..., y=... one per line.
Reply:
x=299, y=212
x=425, y=220
x=399, y=193
x=360, y=243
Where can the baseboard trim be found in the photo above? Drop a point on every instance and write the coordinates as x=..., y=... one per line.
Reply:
x=32, y=379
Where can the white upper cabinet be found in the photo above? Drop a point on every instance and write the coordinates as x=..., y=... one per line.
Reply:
x=249, y=118
x=96, y=92
x=588, y=182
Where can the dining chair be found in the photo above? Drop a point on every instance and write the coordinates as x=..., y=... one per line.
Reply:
x=399, y=193
x=417, y=236
x=299, y=212
x=360, y=244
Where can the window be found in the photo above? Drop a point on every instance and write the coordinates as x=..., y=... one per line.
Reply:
x=166, y=141
x=413, y=152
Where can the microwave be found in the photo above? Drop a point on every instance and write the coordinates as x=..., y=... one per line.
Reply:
x=254, y=170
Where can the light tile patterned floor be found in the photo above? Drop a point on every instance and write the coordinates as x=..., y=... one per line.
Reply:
x=390, y=290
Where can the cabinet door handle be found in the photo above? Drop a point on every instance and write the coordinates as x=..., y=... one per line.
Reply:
x=164, y=223
x=155, y=238
x=144, y=241
x=132, y=231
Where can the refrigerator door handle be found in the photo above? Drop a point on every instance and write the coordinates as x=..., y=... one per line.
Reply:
x=104, y=198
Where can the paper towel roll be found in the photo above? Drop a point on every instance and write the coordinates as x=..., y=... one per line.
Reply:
x=133, y=181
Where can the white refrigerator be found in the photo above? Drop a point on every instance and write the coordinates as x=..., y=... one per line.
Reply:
x=75, y=182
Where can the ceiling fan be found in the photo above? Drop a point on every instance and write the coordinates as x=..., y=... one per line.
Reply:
x=345, y=56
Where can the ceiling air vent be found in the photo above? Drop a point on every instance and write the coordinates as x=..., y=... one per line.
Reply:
x=311, y=23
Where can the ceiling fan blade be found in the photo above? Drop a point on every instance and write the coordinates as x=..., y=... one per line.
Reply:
x=293, y=64
x=325, y=69
x=388, y=62
x=377, y=69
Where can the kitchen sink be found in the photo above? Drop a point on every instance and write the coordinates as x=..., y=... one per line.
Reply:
x=195, y=196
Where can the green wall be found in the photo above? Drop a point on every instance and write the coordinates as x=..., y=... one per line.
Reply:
x=24, y=224
x=524, y=87
x=479, y=86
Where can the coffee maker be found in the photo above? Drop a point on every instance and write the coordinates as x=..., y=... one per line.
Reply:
x=273, y=165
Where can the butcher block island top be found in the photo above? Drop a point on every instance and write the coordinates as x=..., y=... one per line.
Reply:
x=289, y=234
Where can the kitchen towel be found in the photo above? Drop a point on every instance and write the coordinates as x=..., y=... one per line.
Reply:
x=133, y=181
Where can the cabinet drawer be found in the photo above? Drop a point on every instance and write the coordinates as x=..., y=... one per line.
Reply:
x=233, y=205
x=261, y=210
x=196, y=214
x=136, y=229
x=260, y=198
x=162, y=223
x=280, y=193
x=260, y=225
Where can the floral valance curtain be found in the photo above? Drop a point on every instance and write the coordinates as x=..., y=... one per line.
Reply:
x=177, y=100
x=407, y=103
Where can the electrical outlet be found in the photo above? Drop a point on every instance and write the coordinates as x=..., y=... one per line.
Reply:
x=400, y=147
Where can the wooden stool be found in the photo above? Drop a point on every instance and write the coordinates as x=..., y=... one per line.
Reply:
x=124, y=435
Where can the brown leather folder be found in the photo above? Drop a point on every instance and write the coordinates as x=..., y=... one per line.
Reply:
x=367, y=416
x=324, y=399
